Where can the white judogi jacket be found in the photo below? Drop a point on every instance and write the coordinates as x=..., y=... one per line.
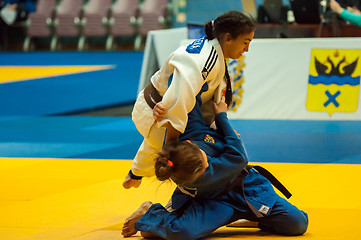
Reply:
x=188, y=68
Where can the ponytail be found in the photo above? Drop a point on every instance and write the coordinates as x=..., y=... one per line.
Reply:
x=179, y=161
x=209, y=30
x=163, y=170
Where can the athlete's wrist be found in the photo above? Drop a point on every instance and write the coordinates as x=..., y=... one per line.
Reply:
x=133, y=176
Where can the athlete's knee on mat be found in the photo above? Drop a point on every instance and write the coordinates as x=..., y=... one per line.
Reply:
x=292, y=225
x=182, y=234
x=296, y=224
x=297, y=227
x=178, y=232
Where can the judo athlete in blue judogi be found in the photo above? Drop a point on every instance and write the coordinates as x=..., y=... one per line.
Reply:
x=210, y=192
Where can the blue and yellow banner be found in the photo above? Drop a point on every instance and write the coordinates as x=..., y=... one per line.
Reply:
x=235, y=70
x=334, y=80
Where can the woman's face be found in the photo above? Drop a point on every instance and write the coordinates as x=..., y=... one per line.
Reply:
x=204, y=160
x=235, y=47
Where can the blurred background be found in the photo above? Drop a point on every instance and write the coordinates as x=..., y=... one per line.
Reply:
x=115, y=25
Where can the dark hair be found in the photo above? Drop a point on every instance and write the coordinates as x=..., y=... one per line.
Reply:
x=233, y=22
x=186, y=159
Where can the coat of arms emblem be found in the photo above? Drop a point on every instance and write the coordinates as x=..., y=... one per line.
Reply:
x=334, y=80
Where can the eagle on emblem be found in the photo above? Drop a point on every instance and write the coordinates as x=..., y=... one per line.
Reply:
x=335, y=70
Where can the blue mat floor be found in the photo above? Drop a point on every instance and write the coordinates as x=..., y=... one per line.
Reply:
x=117, y=138
x=67, y=92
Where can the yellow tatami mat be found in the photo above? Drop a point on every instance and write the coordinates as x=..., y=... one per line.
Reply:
x=55, y=199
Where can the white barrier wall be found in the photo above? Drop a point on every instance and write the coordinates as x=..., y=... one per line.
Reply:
x=303, y=79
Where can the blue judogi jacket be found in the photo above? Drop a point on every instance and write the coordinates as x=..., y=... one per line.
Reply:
x=226, y=158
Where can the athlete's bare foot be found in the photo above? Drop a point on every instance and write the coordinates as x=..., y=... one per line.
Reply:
x=243, y=223
x=129, y=182
x=128, y=227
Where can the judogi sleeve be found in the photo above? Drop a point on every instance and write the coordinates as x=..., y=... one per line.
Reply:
x=186, y=82
x=235, y=155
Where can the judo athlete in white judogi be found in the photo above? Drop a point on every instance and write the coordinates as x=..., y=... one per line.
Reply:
x=187, y=70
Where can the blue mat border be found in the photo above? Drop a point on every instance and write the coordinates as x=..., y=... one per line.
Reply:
x=282, y=141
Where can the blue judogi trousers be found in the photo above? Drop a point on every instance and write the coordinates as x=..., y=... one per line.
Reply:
x=202, y=217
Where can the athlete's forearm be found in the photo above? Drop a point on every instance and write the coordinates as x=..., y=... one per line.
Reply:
x=223, y=124
x=351, y=17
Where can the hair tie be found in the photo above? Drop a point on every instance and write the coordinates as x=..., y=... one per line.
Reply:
x=170, y=163
x=213, y=25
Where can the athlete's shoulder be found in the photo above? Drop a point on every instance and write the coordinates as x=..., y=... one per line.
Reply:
x=201, y=54
x=201, y=46
x=196, y=46
x=205, y=53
